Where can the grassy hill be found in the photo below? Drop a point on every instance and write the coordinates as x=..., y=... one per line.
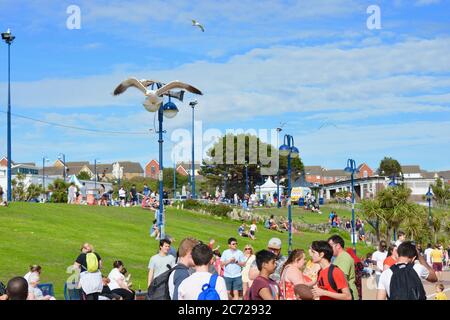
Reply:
x=51, y=235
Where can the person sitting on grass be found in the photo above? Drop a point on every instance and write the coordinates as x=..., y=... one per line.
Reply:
x=34, y=293
x=241, y=230
x=155, y=230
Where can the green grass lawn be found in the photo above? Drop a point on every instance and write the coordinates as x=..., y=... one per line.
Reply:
x=51, y=235
x=299, y=214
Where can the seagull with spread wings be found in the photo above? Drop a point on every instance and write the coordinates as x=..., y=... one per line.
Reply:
x=196, y=24
x=154, y=97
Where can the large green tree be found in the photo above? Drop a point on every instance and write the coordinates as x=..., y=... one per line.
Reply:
x=389, y=167
x=229, y=168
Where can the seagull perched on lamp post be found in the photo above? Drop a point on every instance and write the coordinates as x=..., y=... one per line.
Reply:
x=196, y=24
x=154, y=98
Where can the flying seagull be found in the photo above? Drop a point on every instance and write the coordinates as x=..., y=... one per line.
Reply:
x=146, y=83
x=196, y=24
x=154, y=97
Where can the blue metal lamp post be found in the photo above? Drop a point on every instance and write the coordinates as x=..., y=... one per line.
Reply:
x=351, y=168
x=278, y=174
x=95, y=174
x=429, y=196
x=174, y=180
x=193, y=104
x=288, y=149
x=9, y=38
x=246, y=177
x=62, y=157
x=44, y=160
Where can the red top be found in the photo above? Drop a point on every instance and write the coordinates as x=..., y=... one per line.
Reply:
x=339, y=279
x=389, y=261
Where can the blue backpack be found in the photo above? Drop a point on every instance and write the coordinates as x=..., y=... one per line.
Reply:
x=209, y=291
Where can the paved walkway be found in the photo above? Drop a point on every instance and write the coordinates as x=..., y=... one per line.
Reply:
x=370, y=292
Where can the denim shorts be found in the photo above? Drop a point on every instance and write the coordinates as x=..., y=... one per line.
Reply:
x=233, y=283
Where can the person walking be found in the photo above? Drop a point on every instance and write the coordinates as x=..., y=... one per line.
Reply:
x=183, y=268
x=402, y=281
x=233, y=260
x=193, y=286
x=89, y=263
x=345, y=263
x=160, y=262
x=321, y=252
x=250, y=256
x=379, y=256
x=437, y=257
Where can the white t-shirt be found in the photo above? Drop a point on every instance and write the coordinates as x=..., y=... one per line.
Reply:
x=385, y=279
x=27, y=277
x=427, y=254
x=379, y=257
x=191, y=287
x=253, y=227
x=122, y=193
x=398, y=242
x=113, y=276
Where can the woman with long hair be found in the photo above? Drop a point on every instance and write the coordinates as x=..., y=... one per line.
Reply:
x=292, y=275
x=250, y=256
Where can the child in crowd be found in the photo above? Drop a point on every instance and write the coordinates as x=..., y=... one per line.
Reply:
x=440, y=295
x=264, y=288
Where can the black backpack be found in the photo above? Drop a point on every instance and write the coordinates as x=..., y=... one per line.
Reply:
x=332, y=282
x=159, y=288
x=405, y=283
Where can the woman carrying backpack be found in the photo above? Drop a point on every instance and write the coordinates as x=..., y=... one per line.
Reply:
x=89, y=263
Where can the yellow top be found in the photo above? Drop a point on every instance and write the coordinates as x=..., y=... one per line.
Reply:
x=436, y=256
x=441, y=296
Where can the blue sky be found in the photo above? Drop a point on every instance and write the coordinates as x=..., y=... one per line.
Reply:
x=343, y=90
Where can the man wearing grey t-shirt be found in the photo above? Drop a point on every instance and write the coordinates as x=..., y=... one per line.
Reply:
x=159, y=263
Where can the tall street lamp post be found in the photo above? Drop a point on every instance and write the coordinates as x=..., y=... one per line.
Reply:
x=246, y=177
x=174, y=180
x=62, y=157
x=9, y=38
x=351, y=168
x=429, y=196
x=288, y=149
x=278, y=173
x=44, y=160
x=95, y=174
x=193, y=104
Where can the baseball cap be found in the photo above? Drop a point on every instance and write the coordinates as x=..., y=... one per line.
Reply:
x=274, y=243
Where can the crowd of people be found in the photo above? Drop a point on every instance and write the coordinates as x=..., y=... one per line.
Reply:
x=199, y=271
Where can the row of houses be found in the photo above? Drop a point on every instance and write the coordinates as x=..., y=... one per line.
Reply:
x=322, y=176
x=368, y=183
x=129, y=169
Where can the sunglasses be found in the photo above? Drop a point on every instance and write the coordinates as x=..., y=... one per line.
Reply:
x=248, y=249
x=233, y=244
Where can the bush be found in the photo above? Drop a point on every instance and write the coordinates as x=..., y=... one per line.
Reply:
x=220, y=210
x=344, y=234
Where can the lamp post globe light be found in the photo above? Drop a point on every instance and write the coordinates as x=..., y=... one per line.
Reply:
x=9, y=38
x=352, y=169
x=154, y=102
x=288, y=149
x=429, y=196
